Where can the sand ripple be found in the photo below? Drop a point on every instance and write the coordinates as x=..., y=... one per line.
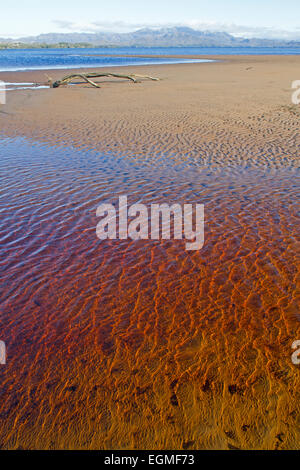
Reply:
x=142, y=344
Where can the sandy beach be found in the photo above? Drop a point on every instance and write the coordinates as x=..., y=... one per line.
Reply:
x=235, y=102
x=143, y=345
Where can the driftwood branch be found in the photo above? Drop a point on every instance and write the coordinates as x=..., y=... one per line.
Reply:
x=87, y=78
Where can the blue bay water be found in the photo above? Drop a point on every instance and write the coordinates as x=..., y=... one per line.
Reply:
x=37, y=59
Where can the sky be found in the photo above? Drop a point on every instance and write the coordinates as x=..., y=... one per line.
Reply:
x=247, y=18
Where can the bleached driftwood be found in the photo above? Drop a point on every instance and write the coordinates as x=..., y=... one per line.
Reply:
x=87, y=78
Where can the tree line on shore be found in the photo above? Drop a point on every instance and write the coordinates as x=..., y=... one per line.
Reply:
x=60, y=45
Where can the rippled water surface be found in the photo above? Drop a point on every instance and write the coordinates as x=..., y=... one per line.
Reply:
x=123, y=344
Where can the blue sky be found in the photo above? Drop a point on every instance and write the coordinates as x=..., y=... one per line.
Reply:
x=248, y=18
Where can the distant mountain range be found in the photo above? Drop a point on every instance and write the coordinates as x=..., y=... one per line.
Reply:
x=165, y=37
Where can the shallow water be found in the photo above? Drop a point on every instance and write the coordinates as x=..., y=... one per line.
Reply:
x=123, y=344
x=43, y=59
x=10, y=86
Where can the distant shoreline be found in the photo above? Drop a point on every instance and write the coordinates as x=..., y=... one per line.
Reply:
x=62, y=45
x=6, y=46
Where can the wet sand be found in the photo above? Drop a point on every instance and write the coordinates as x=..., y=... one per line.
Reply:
x=143, y=345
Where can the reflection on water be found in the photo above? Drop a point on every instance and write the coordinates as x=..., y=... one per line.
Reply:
x=123, y=344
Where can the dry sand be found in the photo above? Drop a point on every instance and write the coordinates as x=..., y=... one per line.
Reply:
x=141, y=357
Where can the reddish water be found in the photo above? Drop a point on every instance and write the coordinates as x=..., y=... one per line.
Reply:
x=123, y=344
